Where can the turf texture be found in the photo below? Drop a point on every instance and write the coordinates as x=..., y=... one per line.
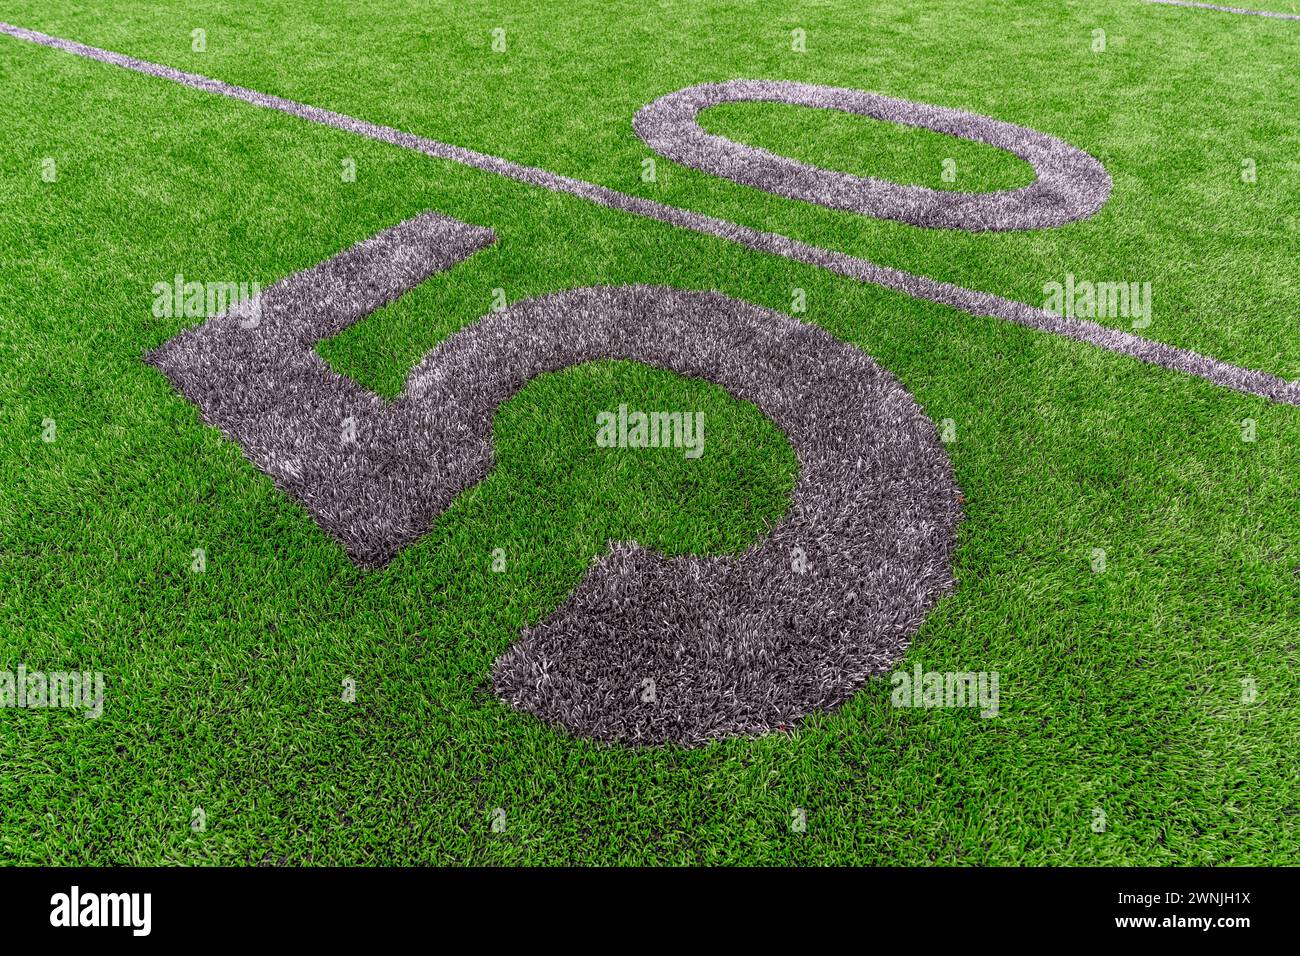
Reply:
x=1124, y=734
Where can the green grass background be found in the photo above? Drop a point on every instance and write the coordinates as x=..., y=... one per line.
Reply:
x=1121, y=691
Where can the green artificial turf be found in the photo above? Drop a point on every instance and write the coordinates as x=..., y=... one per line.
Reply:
x=1121, y=690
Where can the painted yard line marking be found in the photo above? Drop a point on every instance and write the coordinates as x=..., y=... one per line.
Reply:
x=921, y=287
x=1214, y=6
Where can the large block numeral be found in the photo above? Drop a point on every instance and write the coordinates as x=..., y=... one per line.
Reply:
x=731, y=645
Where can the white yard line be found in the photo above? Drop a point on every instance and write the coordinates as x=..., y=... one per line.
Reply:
x=966, y=300
x=1215, y=6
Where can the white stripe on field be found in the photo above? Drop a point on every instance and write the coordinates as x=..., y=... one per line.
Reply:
x=1215, y=6
x=966, y=300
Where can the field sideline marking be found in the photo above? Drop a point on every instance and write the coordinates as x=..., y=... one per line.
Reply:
x=965, y=300
x=1214, y=6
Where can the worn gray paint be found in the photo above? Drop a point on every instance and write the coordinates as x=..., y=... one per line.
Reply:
x=733, y=645
x=1069, y=184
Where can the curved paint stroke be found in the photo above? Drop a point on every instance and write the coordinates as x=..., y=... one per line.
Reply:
x=1070, y=185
